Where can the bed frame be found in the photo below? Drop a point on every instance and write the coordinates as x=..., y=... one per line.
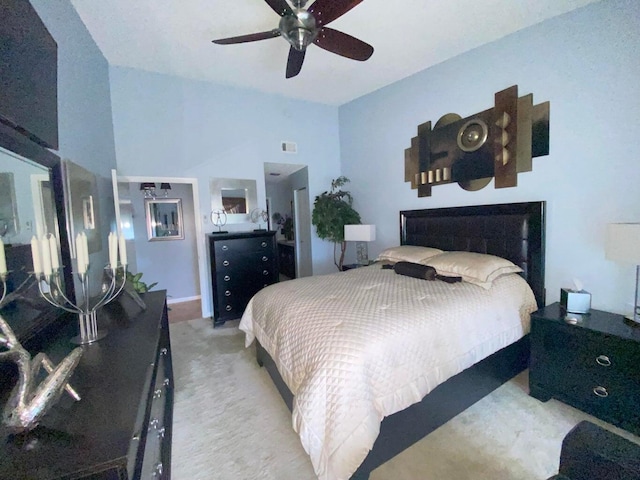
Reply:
x=513, y=231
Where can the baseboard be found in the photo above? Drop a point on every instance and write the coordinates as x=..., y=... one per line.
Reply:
x=184, y=299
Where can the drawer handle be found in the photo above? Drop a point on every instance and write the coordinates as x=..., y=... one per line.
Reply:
x=227, y=278
x=166, y=382
x=264, y=244
x=228, y=308
x=225, y=248
x=136, y=437
x=161, y=433
x=265, y=272
x=225, y=263
x=601, y=392
x=265, y=259
x=153, y=423
x=157, y=393
x=163, y=351
x=603, y=360
x=157, y=471
x=227, y=293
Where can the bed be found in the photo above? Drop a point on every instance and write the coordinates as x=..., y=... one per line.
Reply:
x=333, y=414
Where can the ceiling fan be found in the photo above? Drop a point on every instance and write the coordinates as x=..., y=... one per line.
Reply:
x=300, y=27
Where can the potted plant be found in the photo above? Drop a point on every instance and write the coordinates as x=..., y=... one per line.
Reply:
x=333, y=210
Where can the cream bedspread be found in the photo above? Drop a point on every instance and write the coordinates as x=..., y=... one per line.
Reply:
x=356, y=346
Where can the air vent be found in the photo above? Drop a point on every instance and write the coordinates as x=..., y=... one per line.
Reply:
x=289, y=147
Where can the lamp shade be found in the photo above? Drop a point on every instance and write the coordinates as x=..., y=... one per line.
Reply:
x=165, y=186
x=623, y=242
x=147, y=186
x=359, y=233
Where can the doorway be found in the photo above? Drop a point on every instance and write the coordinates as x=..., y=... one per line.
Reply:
x=287, y=192
x=178, y=265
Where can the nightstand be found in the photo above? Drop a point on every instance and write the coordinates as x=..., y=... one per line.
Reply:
x=593, y=365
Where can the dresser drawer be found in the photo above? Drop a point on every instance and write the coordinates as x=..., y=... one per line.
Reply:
x=225, y=248
x=243, y=261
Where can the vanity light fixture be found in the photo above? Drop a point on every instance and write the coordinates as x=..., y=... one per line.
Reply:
x=149, y=189
x=166, y=187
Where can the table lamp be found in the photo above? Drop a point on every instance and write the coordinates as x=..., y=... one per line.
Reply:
x=623, y=244
x=361, y=234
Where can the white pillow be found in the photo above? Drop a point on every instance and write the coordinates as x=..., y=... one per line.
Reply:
x=408, y=253
x=477, y=268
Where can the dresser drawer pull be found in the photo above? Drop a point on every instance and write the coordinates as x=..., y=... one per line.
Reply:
x=153, y=423
x=225, y=248
x=166, y=382
x=601, y=392
x=265, y=259
x=157, y=393
x=136, y=437
x=161, y=433
x=157, y=471
x=225, y=263
x=163, y=351
x=227, y=278
x=228, y=308
x=227, y=293
x=603, y=360
x=265, y=272
x=264, y=244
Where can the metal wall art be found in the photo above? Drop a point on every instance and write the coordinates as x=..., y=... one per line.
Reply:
x=499, y=142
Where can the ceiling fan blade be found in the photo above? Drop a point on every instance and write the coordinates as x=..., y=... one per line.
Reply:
x=252, y=37
x=343, y=44
x=281, y=7
x=294, y=63
x=325, y=11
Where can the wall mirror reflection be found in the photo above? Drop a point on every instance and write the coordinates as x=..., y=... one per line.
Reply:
x=236, y=196
x=164, y=219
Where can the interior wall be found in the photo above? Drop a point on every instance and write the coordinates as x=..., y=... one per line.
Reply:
x=171, y=263
x=84, y=107
x=586, y=64
x=175, y=127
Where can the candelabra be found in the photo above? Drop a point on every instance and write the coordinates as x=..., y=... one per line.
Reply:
x=86, y=311
x=3, y=280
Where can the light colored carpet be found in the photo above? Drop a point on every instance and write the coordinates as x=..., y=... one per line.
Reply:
x=230, y=423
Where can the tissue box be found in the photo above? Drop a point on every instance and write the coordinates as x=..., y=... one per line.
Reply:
x=575, y=301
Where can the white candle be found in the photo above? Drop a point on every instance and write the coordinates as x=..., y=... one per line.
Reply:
x=53, y=248
x=35, y=254
x=85, y=251
x=113, y=250
x=80, y=258
x=123, y=250
x=46, y=256
x=3, y=259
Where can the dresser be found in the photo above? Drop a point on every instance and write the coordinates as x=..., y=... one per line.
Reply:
x=121, y=428
x=592, y=363
x=241, y=264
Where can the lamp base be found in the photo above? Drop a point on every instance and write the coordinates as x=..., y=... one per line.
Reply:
x=362, y=253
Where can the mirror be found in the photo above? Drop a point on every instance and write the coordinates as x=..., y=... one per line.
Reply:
x=237, y=197
x=27, y=209
x=164, y=219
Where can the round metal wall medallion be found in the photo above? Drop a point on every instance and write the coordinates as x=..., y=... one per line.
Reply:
x=472, y=135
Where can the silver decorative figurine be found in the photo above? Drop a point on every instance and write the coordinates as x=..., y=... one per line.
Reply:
x=29, y=400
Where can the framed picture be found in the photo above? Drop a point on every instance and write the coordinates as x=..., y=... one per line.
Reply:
x=164, y=219
x=81, y=200
x=9, y=224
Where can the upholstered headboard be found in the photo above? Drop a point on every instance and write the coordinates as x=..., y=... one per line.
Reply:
x=514, y=231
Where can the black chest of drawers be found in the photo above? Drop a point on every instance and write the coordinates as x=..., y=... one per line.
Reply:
x=593, y=365
x=121, y=429
x=241, y=264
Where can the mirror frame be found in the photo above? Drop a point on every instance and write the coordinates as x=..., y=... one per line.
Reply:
x=16, y=142
x=216, y=185
x=152, y=220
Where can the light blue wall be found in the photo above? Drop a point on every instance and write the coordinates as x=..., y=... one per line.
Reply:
x=84, y=105
x=586, y=64
x=172, y=263
x=175, y=127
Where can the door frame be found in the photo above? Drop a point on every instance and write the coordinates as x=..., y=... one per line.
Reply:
x=200, y=252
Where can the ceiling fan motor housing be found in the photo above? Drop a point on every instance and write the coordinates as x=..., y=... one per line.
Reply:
x=299, y=29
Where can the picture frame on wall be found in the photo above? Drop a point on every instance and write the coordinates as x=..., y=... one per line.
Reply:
x=81, y=200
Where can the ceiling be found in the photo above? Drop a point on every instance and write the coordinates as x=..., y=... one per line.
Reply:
x=174, y=37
